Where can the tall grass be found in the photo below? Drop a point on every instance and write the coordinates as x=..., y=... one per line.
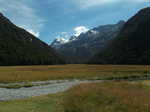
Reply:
x=108, y=97
x=97, y=97
x=34, y=73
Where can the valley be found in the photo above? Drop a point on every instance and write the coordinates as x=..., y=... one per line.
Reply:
x=100, y=66
x=20, y=82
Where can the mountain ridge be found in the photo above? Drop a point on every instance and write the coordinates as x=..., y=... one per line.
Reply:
x=87, y=44
x=19, y=47
x=132, y=44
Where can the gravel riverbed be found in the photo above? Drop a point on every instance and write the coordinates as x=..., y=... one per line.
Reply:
x=50, y=87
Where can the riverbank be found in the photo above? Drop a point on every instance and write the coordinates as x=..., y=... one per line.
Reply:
x=107, y=96
x=39, y=88
x=21, y=90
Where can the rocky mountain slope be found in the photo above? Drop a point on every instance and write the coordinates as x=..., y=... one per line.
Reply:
x=19, y=47
x=132, y=46
x=82, y=48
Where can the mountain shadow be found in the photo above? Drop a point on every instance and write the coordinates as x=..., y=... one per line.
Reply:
x=19, y=47
x=132, y=46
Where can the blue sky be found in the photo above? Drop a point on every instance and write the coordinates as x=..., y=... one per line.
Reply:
x=49, y=19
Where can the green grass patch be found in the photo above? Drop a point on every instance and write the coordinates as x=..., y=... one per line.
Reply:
x=48, y=103
x=17, y=86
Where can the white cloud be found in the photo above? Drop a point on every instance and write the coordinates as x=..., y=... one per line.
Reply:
x=90, y=3
x=80, y=29
x=63, y=36
x=37, y=34
x=22, y=14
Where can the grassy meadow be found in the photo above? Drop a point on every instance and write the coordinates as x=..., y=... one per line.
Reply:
x=112, y=96
x=91, y=97
x=47, y=103
x=34, y=73
x=108, y=97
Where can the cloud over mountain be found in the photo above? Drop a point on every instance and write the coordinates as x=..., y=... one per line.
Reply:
x=80, y=29
x=90, y=3
x=22, y=14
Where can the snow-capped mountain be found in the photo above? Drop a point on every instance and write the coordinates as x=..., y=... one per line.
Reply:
x=59, y=41
x=79, y=49
x=73, y=38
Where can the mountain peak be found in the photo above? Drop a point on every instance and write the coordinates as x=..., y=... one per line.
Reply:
x=1, y=14
x=121, y=22
x=80, y=48
x=59, y=41
x=132, y=44
x=145, y=10
x=19, y=47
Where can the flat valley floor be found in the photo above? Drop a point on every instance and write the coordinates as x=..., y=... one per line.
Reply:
x=61, y=72
x=114, y=95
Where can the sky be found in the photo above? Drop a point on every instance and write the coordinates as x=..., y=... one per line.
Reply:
x=50, y=19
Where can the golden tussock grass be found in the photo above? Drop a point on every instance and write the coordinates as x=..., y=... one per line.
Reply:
x=34, y=73
x=107, y=97
x=91, y=97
